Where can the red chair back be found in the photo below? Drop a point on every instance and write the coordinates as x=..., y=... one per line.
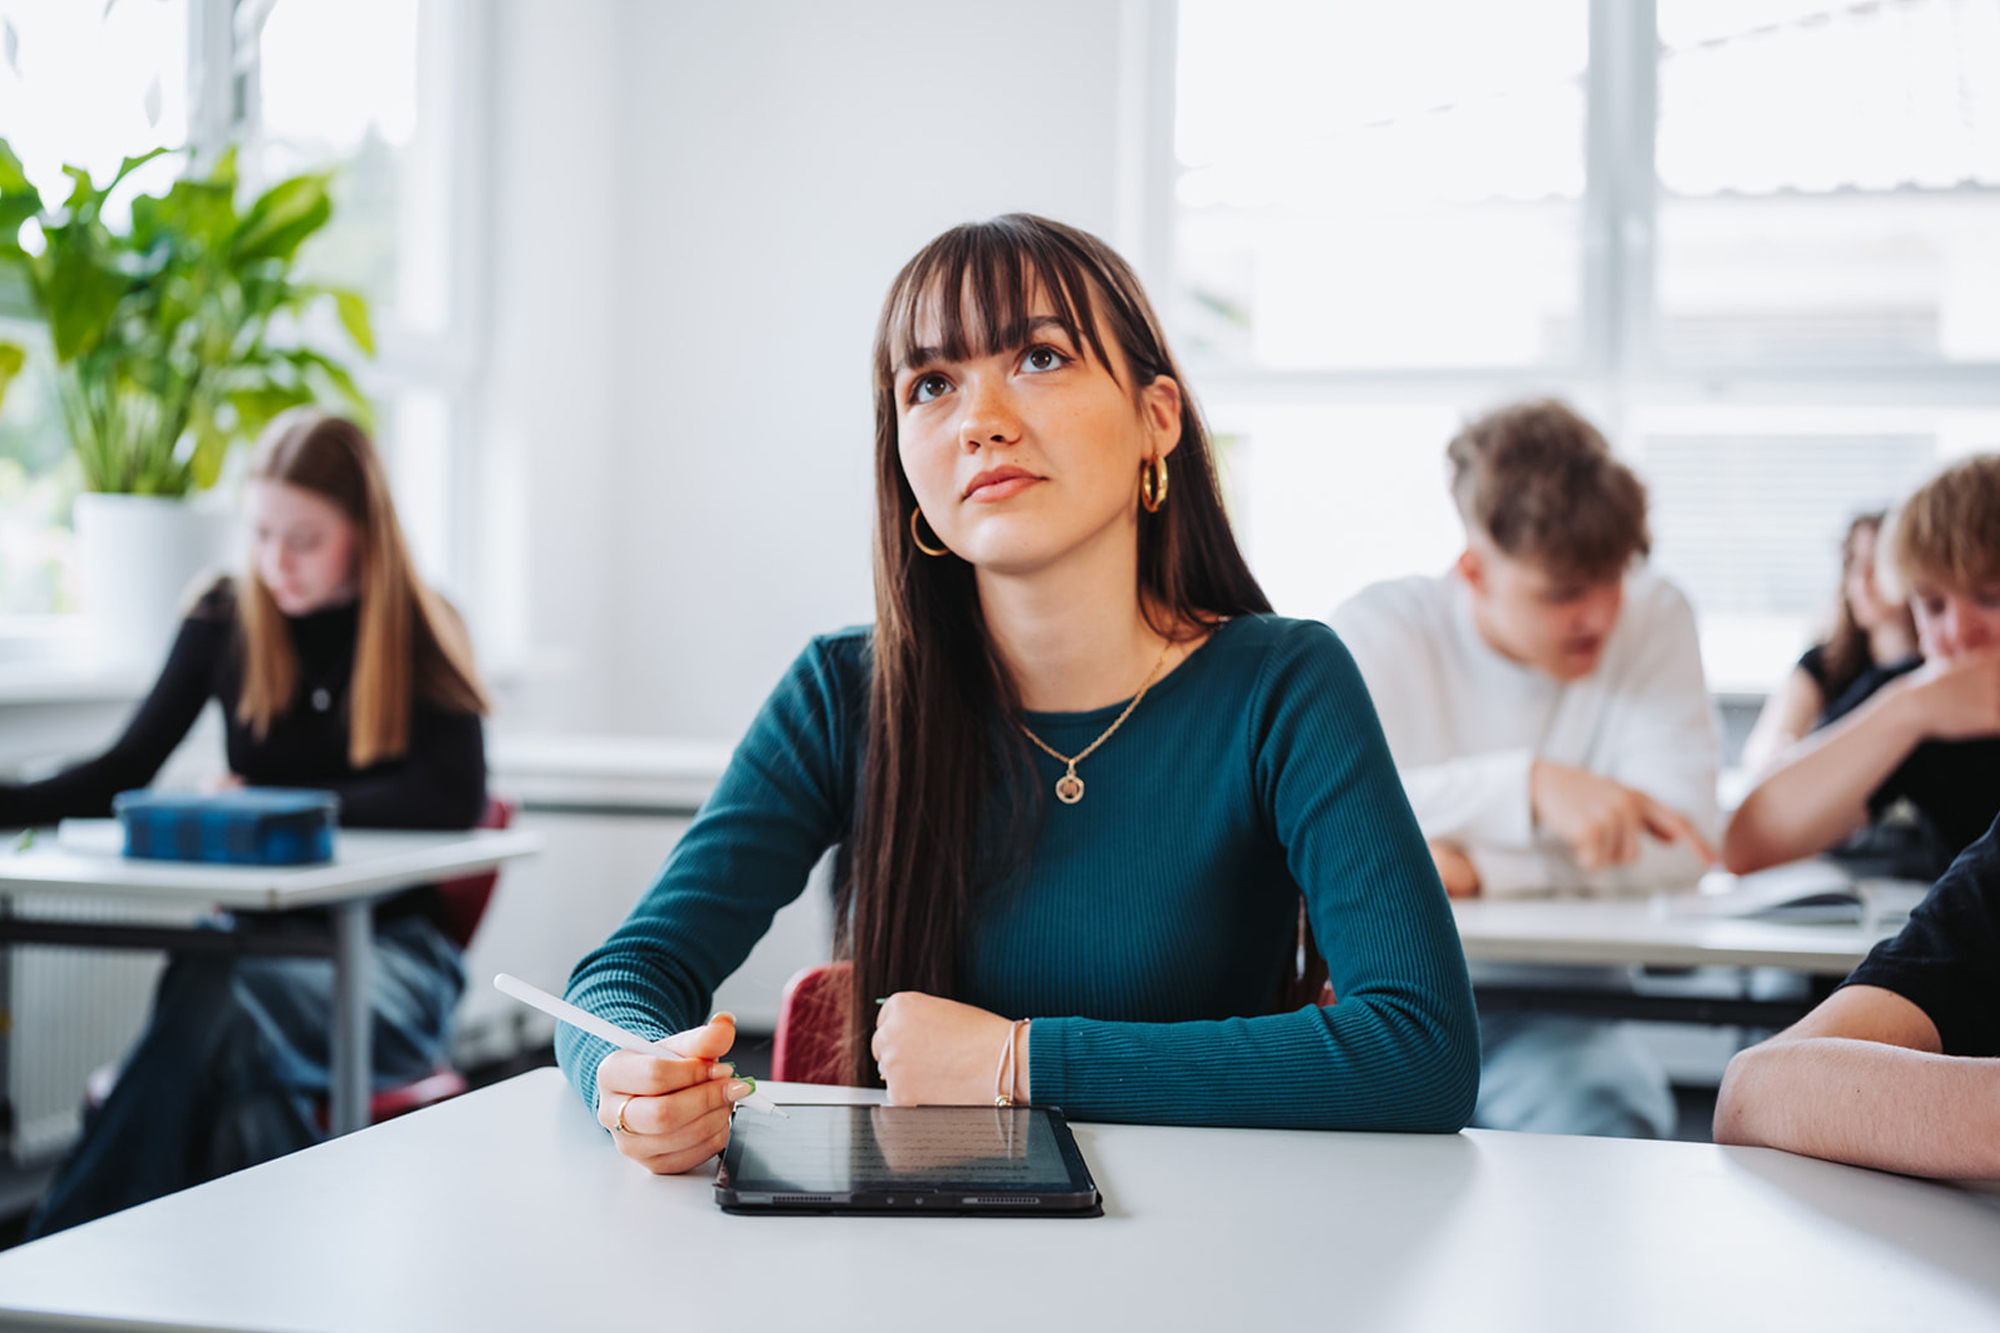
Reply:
x=811, y=1045
x=465, y=899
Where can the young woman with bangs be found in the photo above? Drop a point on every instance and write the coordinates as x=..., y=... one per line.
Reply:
x=336, y=668
x=1078, y=777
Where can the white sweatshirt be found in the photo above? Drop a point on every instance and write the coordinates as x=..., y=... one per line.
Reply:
x=1465, y=724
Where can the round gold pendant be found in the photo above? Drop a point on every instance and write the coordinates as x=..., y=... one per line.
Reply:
x=1069, y=789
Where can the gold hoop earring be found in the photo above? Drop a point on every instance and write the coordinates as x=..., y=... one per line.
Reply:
x=918, y=538
x=1153, y=483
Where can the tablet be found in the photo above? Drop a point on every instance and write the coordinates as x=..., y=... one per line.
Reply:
x=906, y=1159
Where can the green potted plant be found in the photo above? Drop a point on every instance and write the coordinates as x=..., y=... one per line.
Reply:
x=171, y=339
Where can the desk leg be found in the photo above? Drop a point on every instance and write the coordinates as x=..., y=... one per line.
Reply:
x=353, y=1029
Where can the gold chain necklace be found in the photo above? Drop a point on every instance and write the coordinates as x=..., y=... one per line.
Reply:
x=1069, y=787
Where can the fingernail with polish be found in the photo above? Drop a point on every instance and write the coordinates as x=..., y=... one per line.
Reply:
x=740, y=1089
x=722, y=1069
x=881, y=999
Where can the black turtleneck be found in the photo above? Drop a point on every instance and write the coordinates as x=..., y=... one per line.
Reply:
x=439, y=783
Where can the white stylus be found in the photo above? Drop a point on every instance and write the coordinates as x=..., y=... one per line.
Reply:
x=536, y=997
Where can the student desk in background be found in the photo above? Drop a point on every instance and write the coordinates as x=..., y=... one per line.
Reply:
x=367, y=864
x=1667, y=931
x=507, y=1209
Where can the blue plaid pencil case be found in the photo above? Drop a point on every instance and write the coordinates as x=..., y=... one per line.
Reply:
x=258, y=826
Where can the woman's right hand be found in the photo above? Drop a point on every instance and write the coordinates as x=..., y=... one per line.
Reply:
x=1958, y=697
x=673, y=1107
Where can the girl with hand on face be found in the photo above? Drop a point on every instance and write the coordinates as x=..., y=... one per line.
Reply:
x=1929, y=733
x=1076, y=774
x=336, y=668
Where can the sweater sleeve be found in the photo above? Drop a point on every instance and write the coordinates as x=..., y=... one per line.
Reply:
x=781, y=802
x=439, y=783
x=1665, y=741
x=1400, y=1050
x=1476, y=800
x=162, y=720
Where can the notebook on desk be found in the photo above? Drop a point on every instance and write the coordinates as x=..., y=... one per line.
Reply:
x=1812, y=892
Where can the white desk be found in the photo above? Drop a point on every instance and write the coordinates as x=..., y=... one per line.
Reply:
x=1666, y=931
x=367, y=864
x=508, y=1210
x=1657, y=932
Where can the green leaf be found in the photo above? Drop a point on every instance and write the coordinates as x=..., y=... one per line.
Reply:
x=82, y=193
x=223, y=173
x=255, y=408
x=200, y=210
x=15, y=209
x=282, y=218
x=353, y=309
x=132, y=164
x=82, y=295
x=13, y=177
x=12, y=357
x=211, y=448
x=342, y=381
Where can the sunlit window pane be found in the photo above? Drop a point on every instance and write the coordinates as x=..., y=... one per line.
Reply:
x=1830, y=179
x=346, y=83
x=1371, y=185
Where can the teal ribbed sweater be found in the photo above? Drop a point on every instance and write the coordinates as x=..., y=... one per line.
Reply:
x=1154, y=920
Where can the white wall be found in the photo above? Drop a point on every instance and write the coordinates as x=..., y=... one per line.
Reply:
x=755, y=173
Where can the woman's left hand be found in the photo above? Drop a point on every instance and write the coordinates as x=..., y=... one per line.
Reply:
x=935, y=1052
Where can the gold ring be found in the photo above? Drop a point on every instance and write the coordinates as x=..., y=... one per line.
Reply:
x=620, y=1127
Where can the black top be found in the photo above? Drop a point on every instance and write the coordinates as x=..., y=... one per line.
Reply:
x=1954, y=785
x=1872, y=678
x=438, y=783
x=1946, y=961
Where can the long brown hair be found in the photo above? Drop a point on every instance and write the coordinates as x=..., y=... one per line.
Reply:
x=1848, y=651
x=941, y=756
x=409, y=644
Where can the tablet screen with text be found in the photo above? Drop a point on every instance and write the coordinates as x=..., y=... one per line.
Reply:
x=906, y=1158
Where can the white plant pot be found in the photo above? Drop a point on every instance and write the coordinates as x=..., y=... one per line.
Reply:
x=138, y=557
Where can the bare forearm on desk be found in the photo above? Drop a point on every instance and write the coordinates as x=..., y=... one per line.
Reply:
x=1862, y=1079
x=1867, y=1103
x=1821, y=794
